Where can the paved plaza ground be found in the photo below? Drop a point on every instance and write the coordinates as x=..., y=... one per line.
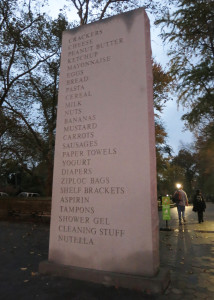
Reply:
x=187, y=250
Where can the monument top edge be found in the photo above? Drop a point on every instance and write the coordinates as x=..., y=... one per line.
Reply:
x=126, y=16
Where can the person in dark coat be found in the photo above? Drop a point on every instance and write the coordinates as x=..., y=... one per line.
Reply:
x=199, y=205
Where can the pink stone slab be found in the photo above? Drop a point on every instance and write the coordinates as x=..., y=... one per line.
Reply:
x=104, y=203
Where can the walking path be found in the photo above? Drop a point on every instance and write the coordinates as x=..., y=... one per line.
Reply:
x=187, y=250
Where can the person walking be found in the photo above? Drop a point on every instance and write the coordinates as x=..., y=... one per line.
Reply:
x=181, y=200
x=199, y=205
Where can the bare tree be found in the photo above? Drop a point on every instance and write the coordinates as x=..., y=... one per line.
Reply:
x=93, y=10
x=21, y=51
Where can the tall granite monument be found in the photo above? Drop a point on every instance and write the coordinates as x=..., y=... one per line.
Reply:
x=104, y=219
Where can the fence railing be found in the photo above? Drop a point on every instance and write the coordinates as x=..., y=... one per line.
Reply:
x=35, y=207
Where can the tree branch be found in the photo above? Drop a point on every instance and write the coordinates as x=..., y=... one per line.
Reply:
x=3, y=97
x=21, y=116
x=107, y=5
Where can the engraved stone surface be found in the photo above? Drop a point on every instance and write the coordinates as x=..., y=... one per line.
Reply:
x=104, y=208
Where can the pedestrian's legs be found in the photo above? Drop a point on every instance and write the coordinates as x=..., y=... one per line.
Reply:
x=200, y=216
x=183, y=213
x=179, y=213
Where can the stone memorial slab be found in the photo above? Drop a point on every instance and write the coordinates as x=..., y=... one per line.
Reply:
x=104, y=205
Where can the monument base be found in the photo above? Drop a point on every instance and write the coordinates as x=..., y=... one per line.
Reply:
x=148, y=285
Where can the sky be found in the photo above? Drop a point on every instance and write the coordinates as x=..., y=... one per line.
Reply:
x=171, y=115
